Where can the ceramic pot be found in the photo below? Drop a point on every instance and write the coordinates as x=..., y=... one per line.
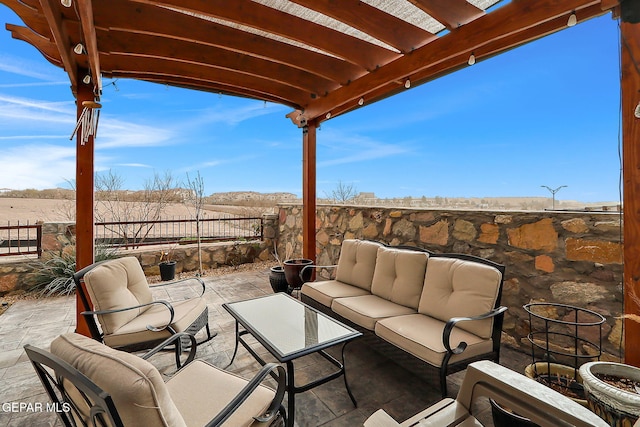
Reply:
x=616, y=406
x=563, y=372
x=277, y=279
x=292, y=269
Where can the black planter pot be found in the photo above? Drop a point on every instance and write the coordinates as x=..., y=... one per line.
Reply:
x=292, y=269
x=277, y=279
x=167, y=270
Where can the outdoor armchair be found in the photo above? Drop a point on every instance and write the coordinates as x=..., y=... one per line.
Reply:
x=120, y=299
x=486, y=379
x=92, y=384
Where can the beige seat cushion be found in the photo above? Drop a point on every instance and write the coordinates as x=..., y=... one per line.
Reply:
x=366, y=310
x=114, y=284
x=135, y=331
x=326, y=291
x=399, y=276
x=460, y=288
x=201, y=390
x=421, y=336
x=136, y=386
x=357, y=262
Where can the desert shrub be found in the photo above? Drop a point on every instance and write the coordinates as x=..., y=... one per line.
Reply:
x=53, y=276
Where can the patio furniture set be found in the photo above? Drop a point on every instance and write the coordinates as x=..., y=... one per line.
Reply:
x=403, y=296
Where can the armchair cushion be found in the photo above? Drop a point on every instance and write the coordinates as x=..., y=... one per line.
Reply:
x=117, y=284
x=135, y=385
x=185, y=313
x=456, y=288
x=215, y=388
x=399, y=276
x=357, y=262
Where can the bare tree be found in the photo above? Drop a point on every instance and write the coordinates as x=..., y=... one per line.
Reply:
x=114, y=204
x=195, y=200
x=343, y=193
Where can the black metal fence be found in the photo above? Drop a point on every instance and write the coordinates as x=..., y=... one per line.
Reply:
x=20, y=239
x=133, y=234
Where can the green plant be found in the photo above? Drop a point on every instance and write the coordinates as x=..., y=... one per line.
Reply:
x=53, y=276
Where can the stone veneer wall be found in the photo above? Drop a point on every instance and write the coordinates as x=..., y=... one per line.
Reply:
x=59, y=238
x=571, y=258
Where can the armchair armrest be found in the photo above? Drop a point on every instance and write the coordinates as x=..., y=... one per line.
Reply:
x=149, y=327
x=175, y=282
x=315, y=266
x=175, y=340
x=446, y=334
x=248, y=389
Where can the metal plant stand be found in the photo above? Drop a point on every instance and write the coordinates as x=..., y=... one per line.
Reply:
x=562, y=338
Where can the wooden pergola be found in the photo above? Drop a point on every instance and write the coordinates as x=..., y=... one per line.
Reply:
x=323, y=58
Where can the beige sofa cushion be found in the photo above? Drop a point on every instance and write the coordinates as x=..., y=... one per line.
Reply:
x=399, y=276
x=357, y=262
x=366, y=310
x=135, y=385
x=117, y=283
x=326, y=291
x=135, y=331
x=200, y=391
x=460, y=288
x=421, y=336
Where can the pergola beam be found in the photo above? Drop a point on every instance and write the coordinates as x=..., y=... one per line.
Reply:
x=263, y=18
x=61, y=39
x=85, y=10
x=630, y=85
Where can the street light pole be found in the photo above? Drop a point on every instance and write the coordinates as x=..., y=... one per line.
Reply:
x=553, y=194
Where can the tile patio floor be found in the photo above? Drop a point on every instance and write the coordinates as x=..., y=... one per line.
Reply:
x=375, y=381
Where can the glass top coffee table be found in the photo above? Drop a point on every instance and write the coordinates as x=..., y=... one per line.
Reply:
x=289, y=329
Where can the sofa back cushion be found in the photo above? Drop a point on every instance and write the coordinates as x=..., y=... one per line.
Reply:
x=135, y=385
x=399, y=276
x=460, y=288
x=357, y=262
x=114, y=284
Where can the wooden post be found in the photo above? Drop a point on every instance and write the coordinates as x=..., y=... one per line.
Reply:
x=84, y=200
x=309, y=191
x=630, y=84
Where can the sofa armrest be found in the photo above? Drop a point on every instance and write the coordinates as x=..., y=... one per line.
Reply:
x=149, y=327
x=448, y=328
x=180, y=281
x=317, y=267
x=244, y=394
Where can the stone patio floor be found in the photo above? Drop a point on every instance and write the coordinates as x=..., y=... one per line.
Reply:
x=376, y=381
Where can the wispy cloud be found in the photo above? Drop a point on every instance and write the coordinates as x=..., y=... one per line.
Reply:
x=355, y=149
x=36, y=166
x=235, y=115
x=37, y=84
x=134, y=165
x=23, y=67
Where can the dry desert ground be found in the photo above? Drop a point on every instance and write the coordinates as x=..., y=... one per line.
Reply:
x=53, y=210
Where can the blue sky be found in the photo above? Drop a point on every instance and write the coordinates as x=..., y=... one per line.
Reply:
x=546, y=113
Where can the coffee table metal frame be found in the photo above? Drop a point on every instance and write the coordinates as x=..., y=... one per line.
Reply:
x=255, y=329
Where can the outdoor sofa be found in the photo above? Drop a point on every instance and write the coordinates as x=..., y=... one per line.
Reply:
x=439, y=309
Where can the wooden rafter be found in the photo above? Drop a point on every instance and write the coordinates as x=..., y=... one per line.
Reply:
x=52, y=13
x=85, y=10
x=167, y=24
x=255, y=15
x=452, y=13
x=392, y=30
x=200, y=55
